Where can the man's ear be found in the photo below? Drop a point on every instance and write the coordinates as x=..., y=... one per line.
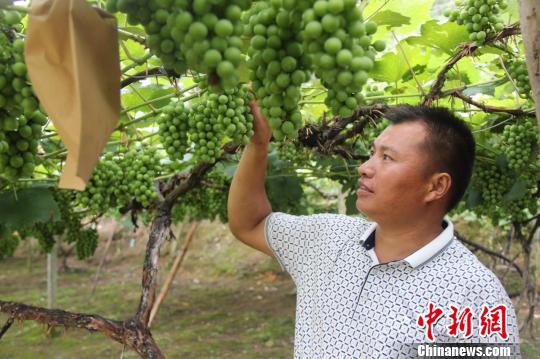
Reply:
x=438, y=186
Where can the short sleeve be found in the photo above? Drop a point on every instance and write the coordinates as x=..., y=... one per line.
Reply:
x=301, y=243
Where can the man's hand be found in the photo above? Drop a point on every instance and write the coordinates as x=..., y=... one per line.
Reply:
x=248, y=205
x=261, y=128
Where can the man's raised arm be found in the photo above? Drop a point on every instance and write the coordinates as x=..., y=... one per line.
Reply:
x=248, y=204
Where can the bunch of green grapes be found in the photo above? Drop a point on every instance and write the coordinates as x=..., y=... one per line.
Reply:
x=70, y=220
x=208, y=201
x=86, y=243
x=495, y=183
x=293, y=152
x=19, y=143
x=45, y=232
x=278, y=62
x=200, y=35
x=232, y=113
x=519, y=143
x=343, y=53
x=21, y=121
x=67, y=225
x=518, y=71
x=203, y=132
x=220, y=117
x=101, y=191
x=8, y=242
x=140, y=167
x=173, y=129
x=492, y=183
x=479, y=17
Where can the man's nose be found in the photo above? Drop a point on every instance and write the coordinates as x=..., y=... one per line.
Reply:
x=365, y=169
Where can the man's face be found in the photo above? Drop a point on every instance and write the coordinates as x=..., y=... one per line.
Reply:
x=395, y=174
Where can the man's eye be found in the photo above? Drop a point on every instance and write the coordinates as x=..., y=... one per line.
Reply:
x=386, y=157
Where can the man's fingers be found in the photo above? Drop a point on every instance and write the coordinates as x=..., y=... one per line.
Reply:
x=256, y=110
x=261, y=127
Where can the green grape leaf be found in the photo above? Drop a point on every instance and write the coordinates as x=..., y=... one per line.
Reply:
x=388, y=68
x=418, y=12
x=418, y=69
x=136, y=49
x=390, y=19
x=149, y=92
x=227, y=168
x=501, y=161
x=391, y=67
x=518, y=190
x=285, y=193
x=27, y=206
x=444, y=37
x=283, y=186
x=487, y=89
x=473, y=198
x=135, y=30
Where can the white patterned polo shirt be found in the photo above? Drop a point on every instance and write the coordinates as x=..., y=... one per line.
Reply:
x=351, y=306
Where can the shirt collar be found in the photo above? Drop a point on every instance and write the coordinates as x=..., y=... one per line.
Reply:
x=422, y=255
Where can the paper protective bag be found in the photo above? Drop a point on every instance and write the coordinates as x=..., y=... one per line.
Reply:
x=72, y=57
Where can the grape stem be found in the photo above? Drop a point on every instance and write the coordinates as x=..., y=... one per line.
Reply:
x=165, y=97
x=125, y=34
x=136, y=62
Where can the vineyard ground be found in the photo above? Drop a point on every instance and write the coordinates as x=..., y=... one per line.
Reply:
x=228, y=301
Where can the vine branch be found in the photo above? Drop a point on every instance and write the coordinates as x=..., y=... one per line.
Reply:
x=488, y=108
x=155, y=71
x=465, y=50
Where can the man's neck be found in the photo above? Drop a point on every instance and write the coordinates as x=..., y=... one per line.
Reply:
x=394, y=243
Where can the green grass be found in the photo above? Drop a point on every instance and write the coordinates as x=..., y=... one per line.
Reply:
x=210, y=312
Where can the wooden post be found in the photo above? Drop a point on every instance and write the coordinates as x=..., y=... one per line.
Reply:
x=30, y=254
x=529, y=21
x=170, y=277
x=52, y=275
x=342, y=201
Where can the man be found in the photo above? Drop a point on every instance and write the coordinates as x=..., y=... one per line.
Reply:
x=375, y=289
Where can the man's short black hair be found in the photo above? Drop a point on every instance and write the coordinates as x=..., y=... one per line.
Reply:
x=449, y=143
